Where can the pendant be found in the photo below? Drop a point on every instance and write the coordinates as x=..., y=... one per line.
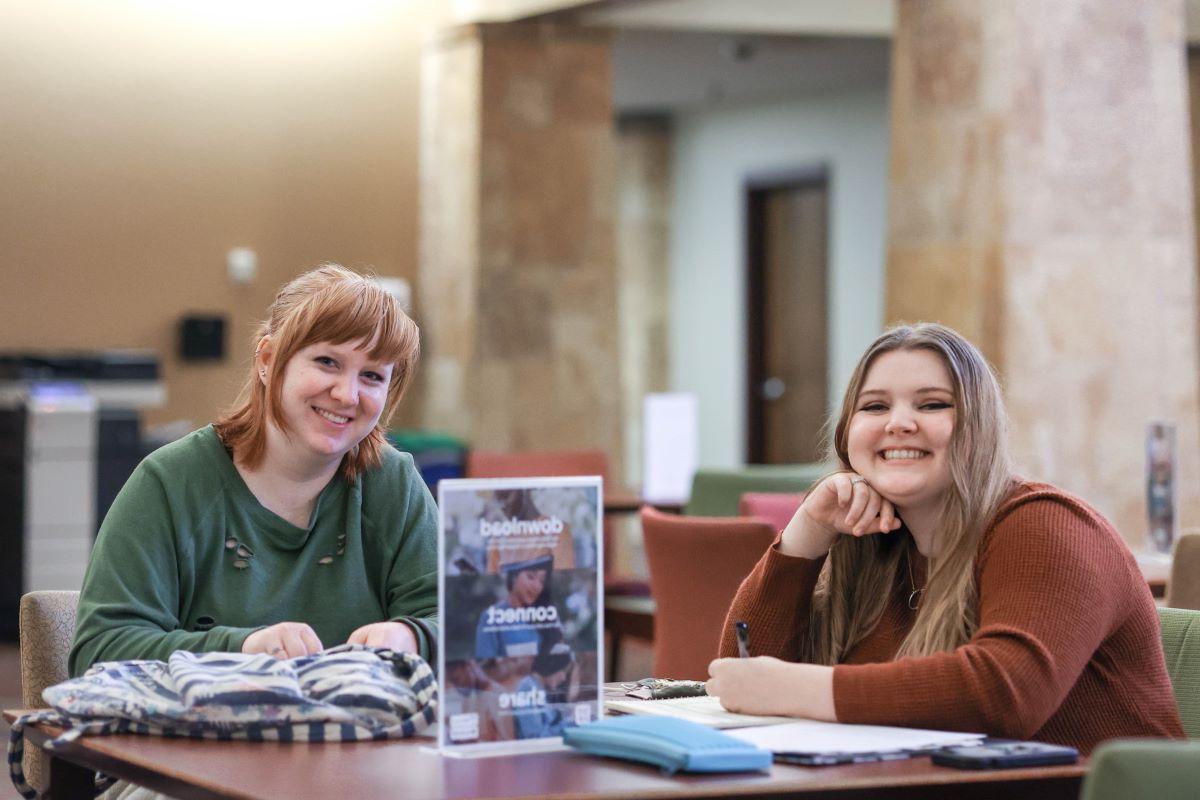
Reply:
x=912, y=599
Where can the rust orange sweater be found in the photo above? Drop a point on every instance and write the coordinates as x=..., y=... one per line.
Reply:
x=1067, y=648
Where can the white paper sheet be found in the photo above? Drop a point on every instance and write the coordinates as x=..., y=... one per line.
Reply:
x=810, y=736
x=670, y=446
x=702, y=710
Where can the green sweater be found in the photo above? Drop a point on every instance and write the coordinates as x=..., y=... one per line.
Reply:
x=166, y=573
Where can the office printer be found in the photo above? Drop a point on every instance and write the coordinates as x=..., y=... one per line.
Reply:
x=69, y=437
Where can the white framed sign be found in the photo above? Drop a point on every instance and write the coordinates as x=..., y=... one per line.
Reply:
x=670, y=446
x=520, y=593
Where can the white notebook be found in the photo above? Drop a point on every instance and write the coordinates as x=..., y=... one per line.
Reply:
x=789, y=735
x=704, y=710
x=806, y=736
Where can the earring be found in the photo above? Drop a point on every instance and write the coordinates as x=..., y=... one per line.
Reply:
x=262, y=373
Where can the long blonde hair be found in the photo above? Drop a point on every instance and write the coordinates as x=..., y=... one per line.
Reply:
x=860, y=574
x=328, y=304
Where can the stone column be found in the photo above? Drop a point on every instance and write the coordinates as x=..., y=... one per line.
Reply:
x=1041, y=203
x=517, y=278
x=643, y=231
x=1193, y=81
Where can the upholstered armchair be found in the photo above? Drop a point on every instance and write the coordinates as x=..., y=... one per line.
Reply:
x=47, y=626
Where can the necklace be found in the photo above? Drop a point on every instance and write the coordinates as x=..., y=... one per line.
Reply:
x=914, y=599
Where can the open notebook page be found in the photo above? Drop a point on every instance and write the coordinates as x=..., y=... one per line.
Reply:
x=704, y=710
x=810, y=736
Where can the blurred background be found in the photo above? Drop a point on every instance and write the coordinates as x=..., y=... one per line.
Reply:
x=587, y=202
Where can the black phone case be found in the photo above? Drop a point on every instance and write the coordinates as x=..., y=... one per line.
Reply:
x=996, y=754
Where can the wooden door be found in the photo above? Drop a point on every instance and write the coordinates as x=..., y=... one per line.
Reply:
x=787, y=236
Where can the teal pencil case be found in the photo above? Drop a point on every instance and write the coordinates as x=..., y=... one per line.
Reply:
x=674, y=745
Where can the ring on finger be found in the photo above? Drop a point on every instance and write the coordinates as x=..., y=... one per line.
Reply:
x=857, y=479
x=275, y=650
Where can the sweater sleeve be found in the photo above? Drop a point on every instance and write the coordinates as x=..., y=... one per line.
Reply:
x=411, y=581
x=129, y=603
x=1050, y=587
x=773, y=601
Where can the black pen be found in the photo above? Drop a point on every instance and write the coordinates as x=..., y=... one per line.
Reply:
x=743, y=638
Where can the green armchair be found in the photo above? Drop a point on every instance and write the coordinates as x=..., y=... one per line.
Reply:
x=1132, y=769
x=715, y=492
x=1146, y=768
x=1181, y=648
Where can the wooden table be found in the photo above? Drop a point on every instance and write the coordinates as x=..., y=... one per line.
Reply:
x=1157, y=574
x=624, y=500
x=411, y=769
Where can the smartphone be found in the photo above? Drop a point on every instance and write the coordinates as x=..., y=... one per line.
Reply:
x=1004, y=754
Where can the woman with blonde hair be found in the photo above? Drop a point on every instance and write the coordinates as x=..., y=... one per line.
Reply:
x=925, y=585
x=289, y=524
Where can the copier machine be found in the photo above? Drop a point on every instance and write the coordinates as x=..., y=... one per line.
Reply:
x=69, y=437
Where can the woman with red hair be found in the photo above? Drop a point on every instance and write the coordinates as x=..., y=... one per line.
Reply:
x=289, y=524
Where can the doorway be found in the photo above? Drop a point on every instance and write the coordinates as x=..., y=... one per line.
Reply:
x=787, y=224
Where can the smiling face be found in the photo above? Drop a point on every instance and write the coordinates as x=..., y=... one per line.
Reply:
x=331, y=397
x=899, y=435
x=527, y=586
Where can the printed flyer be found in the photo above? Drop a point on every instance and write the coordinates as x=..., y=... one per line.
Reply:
x=519, y=589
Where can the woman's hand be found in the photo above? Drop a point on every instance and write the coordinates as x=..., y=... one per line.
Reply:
x=284, y=640
x=841, y=504
x=392, y=635
x=766, y=685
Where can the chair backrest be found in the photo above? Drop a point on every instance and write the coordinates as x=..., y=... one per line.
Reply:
x=47, y=626
x=716, y=492
x=1181, y=649
x=777, y=508
x=532, y=464
x=1132, y=768
x=696, y=566
x=1183, y=590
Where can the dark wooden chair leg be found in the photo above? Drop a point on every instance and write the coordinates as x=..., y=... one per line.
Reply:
x=69, y=780
x=614, y=655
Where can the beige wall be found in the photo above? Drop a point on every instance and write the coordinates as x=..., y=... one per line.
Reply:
x=139, y=144
x=1193, y=79
x=643, y=231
